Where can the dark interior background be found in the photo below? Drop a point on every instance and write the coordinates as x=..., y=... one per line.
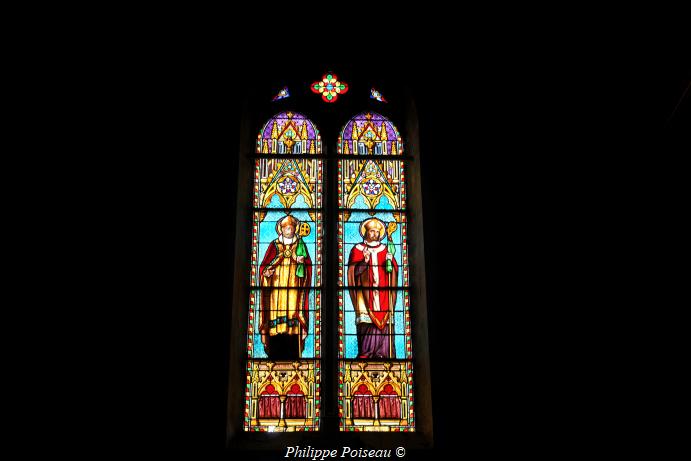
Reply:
x=520, y=154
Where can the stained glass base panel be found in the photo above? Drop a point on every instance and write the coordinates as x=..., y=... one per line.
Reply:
x=282, y=396
x=376, y=396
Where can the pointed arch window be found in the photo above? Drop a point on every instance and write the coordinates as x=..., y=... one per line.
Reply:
x=374, y=345
x=284, y=319
x=335, y=341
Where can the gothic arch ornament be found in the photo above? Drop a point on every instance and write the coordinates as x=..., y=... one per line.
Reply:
x=289, y=182
x=370, y=133
x=289, y=133
x=372, y=184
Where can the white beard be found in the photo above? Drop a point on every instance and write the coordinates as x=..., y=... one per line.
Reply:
x=286, y=240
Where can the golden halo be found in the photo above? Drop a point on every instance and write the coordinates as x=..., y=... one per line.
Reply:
x=377, y=224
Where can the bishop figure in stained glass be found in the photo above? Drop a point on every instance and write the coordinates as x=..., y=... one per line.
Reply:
x=286, y=273
x=372, y=272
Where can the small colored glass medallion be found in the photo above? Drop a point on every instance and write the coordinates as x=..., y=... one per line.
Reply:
x=371, y=187
x=287, y=186
x=374, y=94
x=284, y=93
x=329, y=87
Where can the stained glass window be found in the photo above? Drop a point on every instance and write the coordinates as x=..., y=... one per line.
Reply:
x=347, y=178
x=374, y=326
x=284, y=93
x=284, y=322
x=329, y=87
x=374, y=94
